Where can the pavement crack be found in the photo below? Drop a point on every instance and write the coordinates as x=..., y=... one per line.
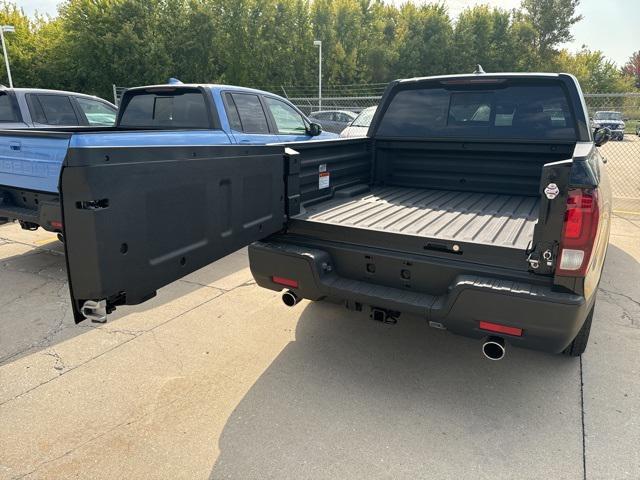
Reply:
x=59, y=365
x=622, y=217
x=631, y=299
x=191, y=282
x=630, y=318
x=70, y=369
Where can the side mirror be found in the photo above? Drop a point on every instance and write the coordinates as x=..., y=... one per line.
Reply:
x=601, y=136
x=314, y=129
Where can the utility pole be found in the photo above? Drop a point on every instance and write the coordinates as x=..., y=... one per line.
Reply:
x=318, y=43
x=8, y=29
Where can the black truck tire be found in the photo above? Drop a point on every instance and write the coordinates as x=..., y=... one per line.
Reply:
x=579, y=344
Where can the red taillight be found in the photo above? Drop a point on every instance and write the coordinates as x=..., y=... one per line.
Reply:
x=497, y=328
x=55, y=224
x=287, y=282
x=579, y=232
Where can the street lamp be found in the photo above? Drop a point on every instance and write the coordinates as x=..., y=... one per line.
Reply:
x=8, y=29
x=318, y=43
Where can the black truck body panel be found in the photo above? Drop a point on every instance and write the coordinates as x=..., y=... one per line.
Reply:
x=464, y=295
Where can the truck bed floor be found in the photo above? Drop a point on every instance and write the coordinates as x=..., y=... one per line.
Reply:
x=490, y=219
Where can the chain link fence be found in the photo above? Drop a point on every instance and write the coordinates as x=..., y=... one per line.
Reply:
x=623, y=156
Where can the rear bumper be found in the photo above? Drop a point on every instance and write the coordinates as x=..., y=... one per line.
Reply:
x=550, y=320
x=32, y=208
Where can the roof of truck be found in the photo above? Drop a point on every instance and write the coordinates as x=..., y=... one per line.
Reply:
x=50, y=91
x=210, y=86
x=487, y=75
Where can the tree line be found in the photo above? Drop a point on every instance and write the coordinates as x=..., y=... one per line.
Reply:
x=91, y=44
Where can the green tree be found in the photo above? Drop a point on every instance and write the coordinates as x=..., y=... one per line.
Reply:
x=632, y=68
x=595, y=73
x=423, y=40
x=552, y=21
x=22, y=44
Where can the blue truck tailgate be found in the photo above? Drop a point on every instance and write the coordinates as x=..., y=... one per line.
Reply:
x=32, y=162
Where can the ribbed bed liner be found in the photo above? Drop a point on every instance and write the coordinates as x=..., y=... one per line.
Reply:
x=499, y=220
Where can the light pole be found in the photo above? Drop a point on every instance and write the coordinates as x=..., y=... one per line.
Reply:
x=8, y=29
x=318, y=43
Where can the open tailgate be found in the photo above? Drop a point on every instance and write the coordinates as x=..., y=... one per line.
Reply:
x=138, y=218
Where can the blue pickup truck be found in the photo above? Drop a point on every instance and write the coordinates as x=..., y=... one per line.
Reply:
x=151, y=116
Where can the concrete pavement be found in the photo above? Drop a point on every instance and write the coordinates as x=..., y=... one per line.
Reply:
x=214, y=378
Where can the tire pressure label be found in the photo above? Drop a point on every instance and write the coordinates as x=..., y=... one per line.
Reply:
x=323, y=176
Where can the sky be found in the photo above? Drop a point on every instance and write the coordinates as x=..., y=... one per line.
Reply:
x=610, y=26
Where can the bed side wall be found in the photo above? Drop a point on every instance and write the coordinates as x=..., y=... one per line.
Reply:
x=507, y=168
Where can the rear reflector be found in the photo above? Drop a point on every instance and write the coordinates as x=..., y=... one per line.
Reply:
x=56, y=224
x=497, y=328
x=287, y=282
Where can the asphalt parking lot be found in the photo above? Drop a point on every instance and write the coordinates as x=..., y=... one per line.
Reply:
x=215, y=378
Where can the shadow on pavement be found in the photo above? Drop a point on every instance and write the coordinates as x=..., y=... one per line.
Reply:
x=35, y=304
x=351, y=398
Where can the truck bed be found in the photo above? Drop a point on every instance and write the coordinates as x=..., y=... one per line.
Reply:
x=472, y=217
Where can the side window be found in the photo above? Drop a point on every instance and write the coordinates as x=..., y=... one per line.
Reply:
x=232, y=113
x=97, y=113
x=7, y=112
x=53, y=110
x=250, y=112
x=287, y=119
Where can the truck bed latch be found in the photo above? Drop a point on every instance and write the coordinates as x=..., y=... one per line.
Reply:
x=545, y=260
x=96, y=311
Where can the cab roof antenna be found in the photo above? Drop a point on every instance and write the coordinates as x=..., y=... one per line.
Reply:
x=478, y=70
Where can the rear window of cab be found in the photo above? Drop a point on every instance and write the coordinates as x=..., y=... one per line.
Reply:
x=520, y=111
x=165, y=108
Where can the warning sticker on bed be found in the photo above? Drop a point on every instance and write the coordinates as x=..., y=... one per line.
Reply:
x=323, y=180
x=322, y=167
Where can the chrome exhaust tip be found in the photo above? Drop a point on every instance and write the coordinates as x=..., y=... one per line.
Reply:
x=493, y=348
x=290, y=298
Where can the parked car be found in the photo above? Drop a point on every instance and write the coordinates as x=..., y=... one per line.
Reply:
x=611, y=120
x=360, y=125
x=333, y=120
x=162, y=115
x=35, y=108
x=504, y=241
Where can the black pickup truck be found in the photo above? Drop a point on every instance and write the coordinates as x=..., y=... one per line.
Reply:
x=478, y=202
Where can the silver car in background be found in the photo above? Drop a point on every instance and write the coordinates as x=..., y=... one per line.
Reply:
x=35, y=107
x=360, y=125
x=333, y=120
